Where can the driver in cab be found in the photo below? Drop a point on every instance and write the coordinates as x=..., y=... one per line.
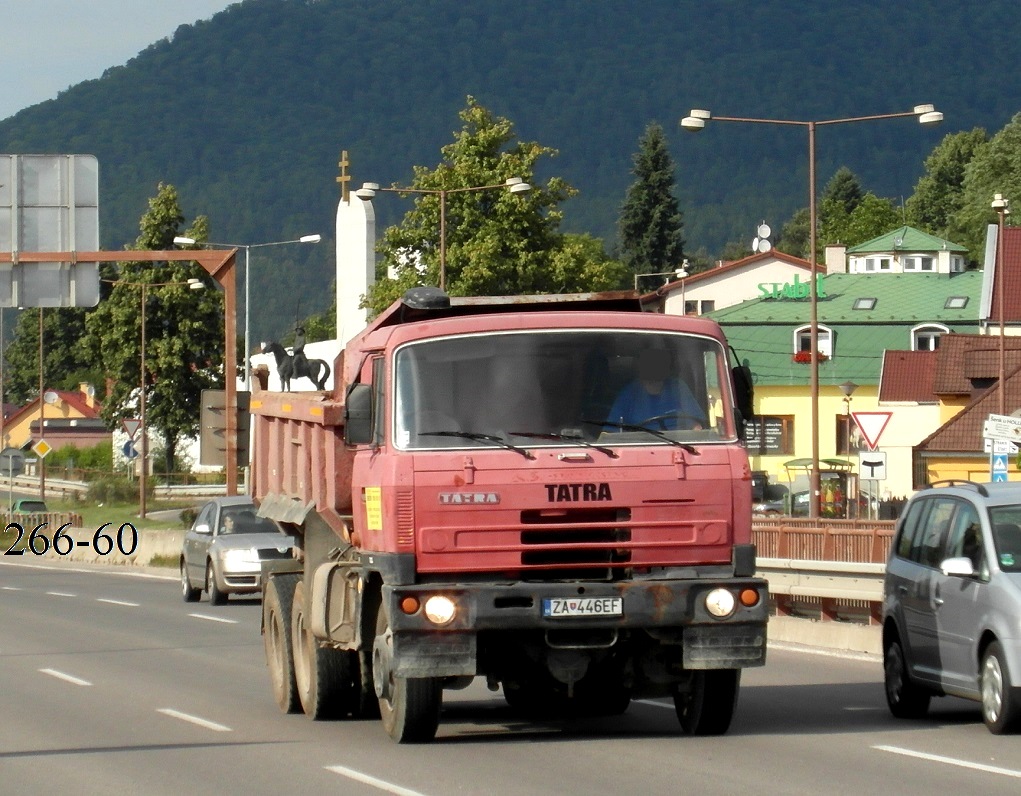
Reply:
x=653, y=399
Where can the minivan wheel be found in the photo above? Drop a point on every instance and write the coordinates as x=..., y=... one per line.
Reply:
x=1000, y=705
x=905, y=699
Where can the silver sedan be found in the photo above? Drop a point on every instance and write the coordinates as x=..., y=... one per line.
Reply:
x=223, y=551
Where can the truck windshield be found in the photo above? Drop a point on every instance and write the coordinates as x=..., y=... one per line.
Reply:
x=561, y=388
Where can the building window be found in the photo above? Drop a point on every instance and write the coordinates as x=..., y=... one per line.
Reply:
x=767, y=435
x=864, y=303
x=926, y=338
x=691, y=308
x=919, y=262
x=848, y=436
x=878, y=263
x=956, y=303
x=803, y=340
x=956, y=264
x=706, y=306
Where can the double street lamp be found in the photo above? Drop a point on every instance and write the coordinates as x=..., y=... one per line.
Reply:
x=183, y=241
x=695, y=121
x=512, y=184
x=193, y=284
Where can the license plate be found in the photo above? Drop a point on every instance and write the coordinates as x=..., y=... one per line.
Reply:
x=582, y=606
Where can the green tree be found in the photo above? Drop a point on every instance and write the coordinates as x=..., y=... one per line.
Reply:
x=839, y=200
x=497, y=243
x=994, y=168
x=66, y=363
x=183, y=330
x=795, y=235
x=939, y=193
x=651, y=223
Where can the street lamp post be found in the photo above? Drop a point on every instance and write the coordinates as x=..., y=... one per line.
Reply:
x=183, y=241
x=696, y=121
x=1000, y=205
x=512, y=184
x=679, y=273
x=193, y=284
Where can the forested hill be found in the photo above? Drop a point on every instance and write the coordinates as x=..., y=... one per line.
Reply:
x=247, y=113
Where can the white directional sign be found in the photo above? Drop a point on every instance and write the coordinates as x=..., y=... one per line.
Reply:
x=1004, y=427
x=872, y=465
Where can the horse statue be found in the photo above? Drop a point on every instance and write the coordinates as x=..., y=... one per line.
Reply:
x=297, y=367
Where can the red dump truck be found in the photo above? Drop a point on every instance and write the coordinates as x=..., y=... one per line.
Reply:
x=471, y=500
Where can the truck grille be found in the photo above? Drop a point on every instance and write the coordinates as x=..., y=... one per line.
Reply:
x=574, y=544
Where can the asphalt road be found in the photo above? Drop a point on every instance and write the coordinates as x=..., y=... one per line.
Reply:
x=111, y=683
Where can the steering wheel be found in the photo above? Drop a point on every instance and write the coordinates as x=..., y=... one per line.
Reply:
x=676, y=415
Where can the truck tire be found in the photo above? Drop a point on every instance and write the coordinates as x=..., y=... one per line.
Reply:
x=276, y=622
x=410, y=707
x=708, y=706
x=324, y=676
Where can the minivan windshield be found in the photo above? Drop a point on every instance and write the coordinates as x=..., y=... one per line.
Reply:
x=580, y=387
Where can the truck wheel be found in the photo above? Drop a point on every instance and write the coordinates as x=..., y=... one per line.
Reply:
x=190, y=594
x=905, y=699
x=708, y=706
x=408, y=706
x=276, y=622
x=216, y=597
x=324, y=676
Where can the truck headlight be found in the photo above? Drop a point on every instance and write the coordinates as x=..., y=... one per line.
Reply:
x=720, y=603
x=440, y=610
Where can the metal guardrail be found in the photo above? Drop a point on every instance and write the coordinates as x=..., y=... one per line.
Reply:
x=826, y=569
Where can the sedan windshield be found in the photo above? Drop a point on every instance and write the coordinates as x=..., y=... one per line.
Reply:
x=243, y=519
x=580, y=388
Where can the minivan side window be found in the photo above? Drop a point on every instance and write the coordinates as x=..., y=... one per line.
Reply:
x=927, y=546
x=910, y=526
x=965, y=539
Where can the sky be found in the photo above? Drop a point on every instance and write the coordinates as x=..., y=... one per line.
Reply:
x=46, y=46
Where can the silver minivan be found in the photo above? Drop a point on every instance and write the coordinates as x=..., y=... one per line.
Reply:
x=952, y=602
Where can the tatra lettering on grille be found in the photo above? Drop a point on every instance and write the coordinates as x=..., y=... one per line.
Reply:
x=469, y=498
x=577, y=493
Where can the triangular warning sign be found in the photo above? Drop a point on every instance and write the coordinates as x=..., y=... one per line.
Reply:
x=871, y=425
x=131, y=426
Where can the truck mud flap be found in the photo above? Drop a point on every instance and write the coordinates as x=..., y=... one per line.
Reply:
x=724, y=646
x=435, y=654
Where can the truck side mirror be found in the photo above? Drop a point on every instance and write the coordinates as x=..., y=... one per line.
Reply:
x=358, y=415
x=743, y=392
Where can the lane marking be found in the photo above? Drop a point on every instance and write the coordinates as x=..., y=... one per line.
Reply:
x=951, y=761
x=209, y=618
x=117, y=602
x=365, y=779
x=67, y=678
x=60, y=594
x=10, y=588
x=209, y=725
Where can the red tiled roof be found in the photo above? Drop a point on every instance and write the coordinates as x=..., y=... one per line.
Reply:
x=1011, y=279
x=908, y=376
x=734, y=265
x=73, y=398
x=963, y=357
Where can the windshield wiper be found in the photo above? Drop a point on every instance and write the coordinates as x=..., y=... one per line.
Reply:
x=478, y=438
x=654, y=431
x=566, y=438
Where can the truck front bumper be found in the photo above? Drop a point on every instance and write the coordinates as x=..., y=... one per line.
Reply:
x=672, y=612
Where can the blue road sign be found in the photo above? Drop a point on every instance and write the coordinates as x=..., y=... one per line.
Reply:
x=998, y=467
x=129, y=449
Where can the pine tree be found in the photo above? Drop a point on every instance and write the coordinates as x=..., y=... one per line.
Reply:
x=651, y=223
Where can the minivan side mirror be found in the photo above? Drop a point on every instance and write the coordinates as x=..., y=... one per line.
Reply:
x=961, y=567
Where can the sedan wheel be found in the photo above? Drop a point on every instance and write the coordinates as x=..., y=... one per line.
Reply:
x=216, y=597
x=191, y=595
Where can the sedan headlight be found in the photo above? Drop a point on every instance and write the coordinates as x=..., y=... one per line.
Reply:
x=246, y=558
x=720, y=603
